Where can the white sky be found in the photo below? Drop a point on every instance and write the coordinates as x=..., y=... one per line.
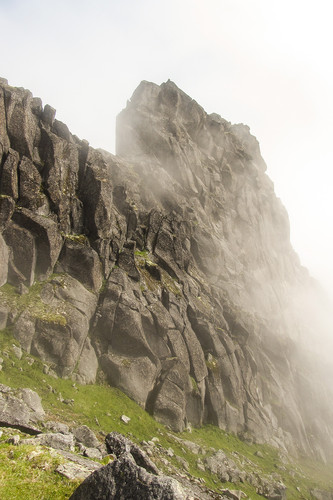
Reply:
x=266, y=63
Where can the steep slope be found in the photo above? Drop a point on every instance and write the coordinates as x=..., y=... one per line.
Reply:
x=169, y=266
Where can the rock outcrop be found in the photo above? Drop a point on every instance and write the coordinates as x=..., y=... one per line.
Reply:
x=169, y=266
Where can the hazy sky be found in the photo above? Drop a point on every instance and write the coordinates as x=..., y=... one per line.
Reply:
x=266, y=63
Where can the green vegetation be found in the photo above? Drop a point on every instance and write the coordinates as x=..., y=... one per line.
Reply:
x=31, y=302
x=144, y=261
x=211, y=363
x=30, y=473
x=142, y=253
x=78, y=238
x=100, y=407
x=194, y=385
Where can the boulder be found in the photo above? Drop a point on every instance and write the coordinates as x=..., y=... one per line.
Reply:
x=125, y=479
x=133, y=375
x=58, y=441
x=20, y=409
x=118, y=444
x=86, y=436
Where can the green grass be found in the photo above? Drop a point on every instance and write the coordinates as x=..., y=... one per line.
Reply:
x=144, y=259
x=77, y=238
x=31, y=477
x=30, y=302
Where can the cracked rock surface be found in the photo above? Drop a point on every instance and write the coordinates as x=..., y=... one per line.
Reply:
x=169, y=266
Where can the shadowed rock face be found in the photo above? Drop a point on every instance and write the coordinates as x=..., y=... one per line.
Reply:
x=177, y=274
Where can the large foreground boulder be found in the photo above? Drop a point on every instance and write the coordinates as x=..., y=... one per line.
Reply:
x=124, y=479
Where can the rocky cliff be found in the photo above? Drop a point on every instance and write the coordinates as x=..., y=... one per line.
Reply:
x=167, y=269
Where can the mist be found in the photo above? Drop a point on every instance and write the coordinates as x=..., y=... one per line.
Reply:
x=259, y=63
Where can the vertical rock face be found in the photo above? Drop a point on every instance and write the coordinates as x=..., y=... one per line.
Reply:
x=174, y=269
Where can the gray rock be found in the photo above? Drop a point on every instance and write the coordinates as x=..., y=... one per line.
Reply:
x=57, y=427
x=81, y=262
x=23, y=254
x=93, y=453
x=20, y=409
x=34, y=403
x=133, y=375
x=116, y=443
x=17, y=351
x=86, y=436
x=125, y=419
x=4, y=256
x=15, y=440
x=24, y=330
x=124, y=479
x=9, y=175
x=233, y=494
x=87, y=364
x=48, y=114
x=272, y=491
x=73, y=471
x=7, y=207
x=47, y=237
x=30, y=181
x=57, y=440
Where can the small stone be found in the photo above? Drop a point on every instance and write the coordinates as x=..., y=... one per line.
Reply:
x=46, y=369
x=33, y=454
x=183, y=462
x=17, y=351
x=200, y=465
x=170, y=452
x=14, y=440
x=155, y=440
x=92, y=453
x=22, y=289
x=259, y=454
x=81, y=448
x=125, y=419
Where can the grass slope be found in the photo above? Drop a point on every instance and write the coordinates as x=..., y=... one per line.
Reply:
x=100, y=407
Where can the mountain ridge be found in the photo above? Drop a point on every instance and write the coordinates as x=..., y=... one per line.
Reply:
x=173, y=267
